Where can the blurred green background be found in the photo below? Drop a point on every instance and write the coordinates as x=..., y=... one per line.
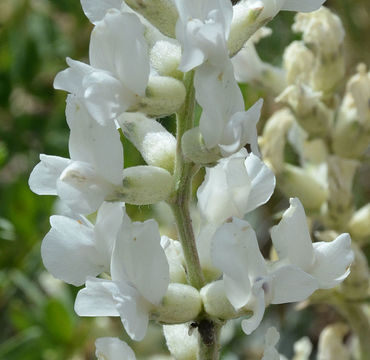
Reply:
x=36, y=311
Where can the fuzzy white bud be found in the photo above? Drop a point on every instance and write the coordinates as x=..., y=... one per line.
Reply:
x=359, y=223
x=180, y=304
x=165, y=58
x=143, y=185
x=323, y=33
x=163, y=96
x=216, y=303
x=156, y=145
x=298, y=61
x=274, y=137
x=311, y=113
x=194, y=148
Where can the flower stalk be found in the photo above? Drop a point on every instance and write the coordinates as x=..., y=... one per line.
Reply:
x=183, y=175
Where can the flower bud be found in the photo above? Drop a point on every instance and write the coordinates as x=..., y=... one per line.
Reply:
x=273, y=140
x=175, y=259
x=160, y=13
x=180, y=304
x=143, y=185
x=323, y=33
x=163, y=96
x=243, y=25
x=311, y=113
x=216, y=303
x=359, y=223
x=165, y=58
x=156, y=145
x=297, y=182
x=302, y=349
x=298, y=62
x=353, y=121
x=359, y=87
x=181, y=341
x=195, y=149
x=331, y=344
x=340, y=180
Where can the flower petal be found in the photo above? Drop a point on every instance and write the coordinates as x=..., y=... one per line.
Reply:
x=82, y=188
x=111, y=348
x=108, y=222
x=291, y=237
x=134, y=312
x=105, y=96
x=44, y=176
x=71, y=78
x=97, y=298
x=291, y=284
x=263, y=182
x=139, y=258
x=241, y=130
x=235, y=251
x=258, y=307
x=93, y=143
x=225, y=190
x=96, y=10
x=218, y=93
x=332, y=261
x=68, y=251
x=118, y=46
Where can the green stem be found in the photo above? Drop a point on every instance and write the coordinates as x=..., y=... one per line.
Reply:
x=183, y=175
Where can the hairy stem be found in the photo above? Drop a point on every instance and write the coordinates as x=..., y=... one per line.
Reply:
x=209, y=344
x=183, y=175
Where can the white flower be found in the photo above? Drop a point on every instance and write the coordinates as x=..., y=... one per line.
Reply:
x=223, y=122
x=94, y=170
x=83, y=181
x=248, y=282
x=235, y=186
x=109, y=348
x=202, y=29
x=119, y=67
x=140, y=278
x=327, y=262
x=74, y=249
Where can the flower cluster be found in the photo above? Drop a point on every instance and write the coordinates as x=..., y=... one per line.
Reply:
x=150, y=59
